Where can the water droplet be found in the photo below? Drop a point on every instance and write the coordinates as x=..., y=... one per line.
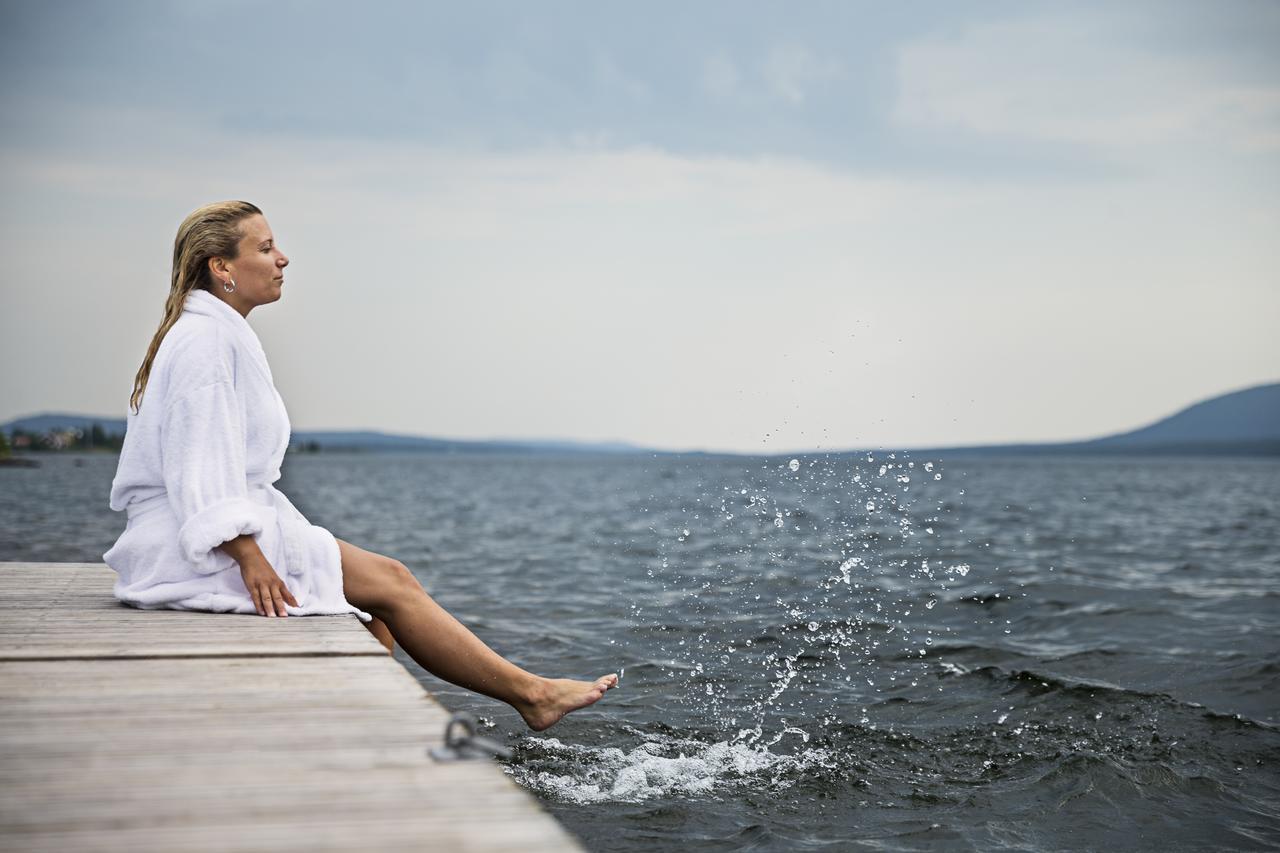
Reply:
x=813, y=626
x=794, y=464
x=937, y=476
x=778, y=522
x=930, y=604
x=928, y=466
x=871, y=506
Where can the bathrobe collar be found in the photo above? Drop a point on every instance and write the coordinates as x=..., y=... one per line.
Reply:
x=200, y=301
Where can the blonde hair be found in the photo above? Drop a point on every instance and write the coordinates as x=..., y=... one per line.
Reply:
x=212, y=231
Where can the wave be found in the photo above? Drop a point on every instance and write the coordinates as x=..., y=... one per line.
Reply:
x=1039, y=683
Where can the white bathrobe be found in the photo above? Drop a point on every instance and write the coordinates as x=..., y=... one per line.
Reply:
x=196, y=470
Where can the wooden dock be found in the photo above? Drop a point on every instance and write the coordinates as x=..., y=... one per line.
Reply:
x=165, y=730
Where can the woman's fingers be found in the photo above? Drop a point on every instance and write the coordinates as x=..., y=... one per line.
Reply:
x=270, y=597
x=267, y=589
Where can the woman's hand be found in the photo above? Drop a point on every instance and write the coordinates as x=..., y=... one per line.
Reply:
x=265, y=587
x=268, y=592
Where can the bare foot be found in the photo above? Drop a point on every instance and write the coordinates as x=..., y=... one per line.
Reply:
x=559, y=696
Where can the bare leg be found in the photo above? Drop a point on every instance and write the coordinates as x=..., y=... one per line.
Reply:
x=447, y=649
x=380, y=630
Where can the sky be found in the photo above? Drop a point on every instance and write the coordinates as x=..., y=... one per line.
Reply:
x=754, y=227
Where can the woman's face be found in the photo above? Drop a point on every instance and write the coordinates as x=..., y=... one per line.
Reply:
x=258, y=269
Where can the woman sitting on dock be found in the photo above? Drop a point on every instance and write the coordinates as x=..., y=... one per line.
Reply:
x=206, y=528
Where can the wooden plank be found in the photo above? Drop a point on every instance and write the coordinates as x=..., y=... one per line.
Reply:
x=290, y=744
x=67, y=611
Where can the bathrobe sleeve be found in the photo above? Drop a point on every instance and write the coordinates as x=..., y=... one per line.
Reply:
x=203, y=441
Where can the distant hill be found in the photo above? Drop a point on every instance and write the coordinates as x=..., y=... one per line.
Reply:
x=359, y=440
x=368, y=440
x=1240, y=423
x=45, y=423
x=1251, y=415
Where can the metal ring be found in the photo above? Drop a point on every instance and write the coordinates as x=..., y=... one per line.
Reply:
x=467, y=722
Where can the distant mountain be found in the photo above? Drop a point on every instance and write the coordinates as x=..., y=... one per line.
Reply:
x=1239, y=423
x=45, y=423
x=1251, y=415
x=359, y=440
x=381, y=441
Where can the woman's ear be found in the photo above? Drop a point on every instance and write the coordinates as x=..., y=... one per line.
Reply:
x=218, y=267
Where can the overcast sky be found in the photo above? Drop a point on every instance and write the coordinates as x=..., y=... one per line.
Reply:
x=727, y=226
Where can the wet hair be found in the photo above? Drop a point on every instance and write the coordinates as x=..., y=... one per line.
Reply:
x=212, y=231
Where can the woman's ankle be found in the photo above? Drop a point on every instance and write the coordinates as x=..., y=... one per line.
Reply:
x=530, y=692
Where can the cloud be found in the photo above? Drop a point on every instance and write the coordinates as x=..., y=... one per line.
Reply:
x=787, y=73
x=636, y=292
x=1082, y=79
x=720, y=76
x=529, y=230
x=792, y=70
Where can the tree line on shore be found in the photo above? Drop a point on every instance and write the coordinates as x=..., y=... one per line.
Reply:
x=72, y=438
x=93, y=438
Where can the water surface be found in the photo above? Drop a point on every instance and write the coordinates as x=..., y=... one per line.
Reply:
x=898, y=653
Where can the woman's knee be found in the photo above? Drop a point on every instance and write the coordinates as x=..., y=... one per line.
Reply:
x=402, y=578
x=375, y=582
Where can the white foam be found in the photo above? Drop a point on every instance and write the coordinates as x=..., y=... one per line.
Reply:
x=660, y=767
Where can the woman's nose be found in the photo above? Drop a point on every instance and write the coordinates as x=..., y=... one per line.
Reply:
x=284, y=260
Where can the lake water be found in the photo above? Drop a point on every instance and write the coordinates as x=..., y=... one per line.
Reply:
x=833, y=653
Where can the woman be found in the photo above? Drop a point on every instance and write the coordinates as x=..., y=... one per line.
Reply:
x=206, y=529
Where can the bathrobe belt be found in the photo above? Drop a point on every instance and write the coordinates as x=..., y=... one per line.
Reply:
x=290, y=533
x=158, y=501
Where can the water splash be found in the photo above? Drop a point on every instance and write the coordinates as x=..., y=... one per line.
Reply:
x=661, y=766
x=844, y=533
